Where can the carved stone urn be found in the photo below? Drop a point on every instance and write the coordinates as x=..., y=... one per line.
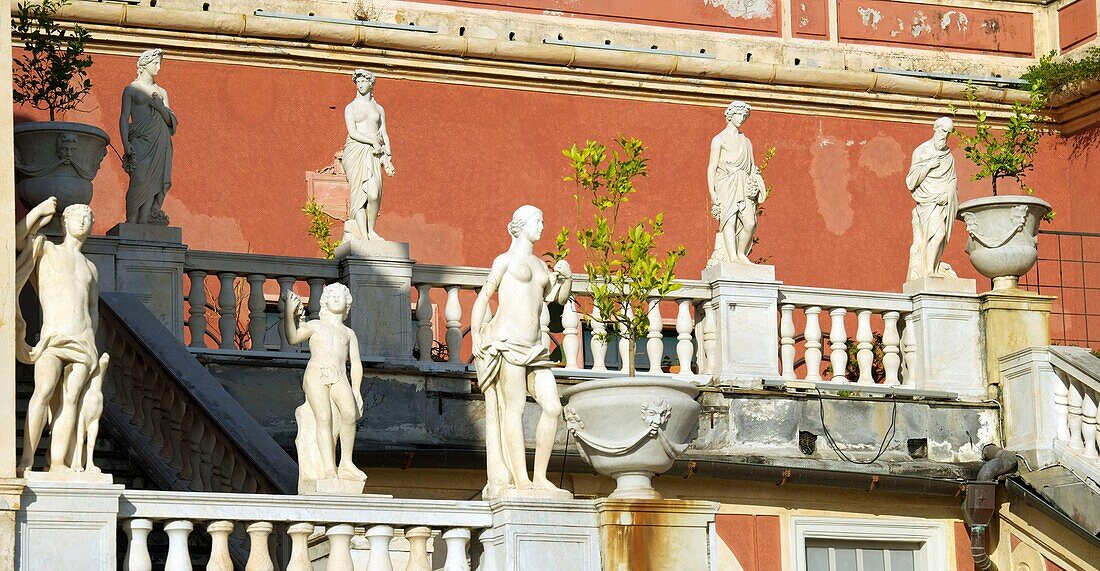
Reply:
x=57, y=158
x=1003, y=230
x=632, y=429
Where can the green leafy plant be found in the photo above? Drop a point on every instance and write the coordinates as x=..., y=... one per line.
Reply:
x=320, y=227
x=53, y=72
x=768, y=156
x=1011, y=152
x=623, y=271
x=1055, y=77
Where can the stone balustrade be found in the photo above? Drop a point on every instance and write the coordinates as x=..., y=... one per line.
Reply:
x=882, y=325
x=296, y=533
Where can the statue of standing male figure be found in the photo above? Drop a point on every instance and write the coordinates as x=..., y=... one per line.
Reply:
x=146, y=125
x=736, y=188
x=934, y=185
x=366, y=154
x=68, y=369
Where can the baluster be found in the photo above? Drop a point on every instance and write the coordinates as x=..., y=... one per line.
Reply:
x=599, y=340
x=196, y=299
x=316, y=287
x=710, y=337
x=257, y=321
x=655, y=345
x=137, y=554
x=219, y=546
x=813, y=344
x=909, y=349
x=380, y=537
x=259, y=555
x=339, y=543
x=456, y=540
x=786, y=341
x=838, y=343
x=424, y=335
x=486, y=561
x=1074, y=409
x=1088, y=421
x=571, y=326
x=684, y=347
x=299, y=547
x=227, y=310
x=286, y=284
x=625, y=356
x=865, y=354
x=891, y=350
x=702, y=363
x=179, y=557
x=1061, y=406
x=453, y=313
x=418, y=549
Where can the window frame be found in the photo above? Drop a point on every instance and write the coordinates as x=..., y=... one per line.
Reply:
x=930, y=534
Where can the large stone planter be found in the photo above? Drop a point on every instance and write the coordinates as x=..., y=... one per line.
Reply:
x=1002, y=242
x=57, y=158
x=632, y=429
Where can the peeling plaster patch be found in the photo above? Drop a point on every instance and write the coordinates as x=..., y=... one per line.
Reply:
x=901, y=28
x=972, y=452
x=961, y=21
x=765, y=410
x=553, y=13
x=871, y=17
x=747, y=9
x=829, y=165
x=803, y=20
x=920, y=24
x=883, y=156
x=991, y=26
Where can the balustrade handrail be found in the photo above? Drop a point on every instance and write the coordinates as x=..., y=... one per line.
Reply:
x=1065, y=359
x=272, y=266
x=848, y=299
x=375, y=510
x=471, y=277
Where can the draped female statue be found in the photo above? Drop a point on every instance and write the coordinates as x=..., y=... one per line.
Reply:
x=147, y=125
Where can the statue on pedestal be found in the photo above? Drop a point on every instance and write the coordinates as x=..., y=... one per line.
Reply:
x=512, y=360
x=934, y=186
x=333, y=404
x=68, y=369
x=146, y=125
x=366, y=155
x=735, y=187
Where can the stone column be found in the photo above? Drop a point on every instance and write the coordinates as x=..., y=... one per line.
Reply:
x=745, y=301
x=947, y=331
x=655, y=534
x=68, y=525
x=149, y=264
x=528, y=533
x=1012, y=320
x=381, y=314
x=7, y=266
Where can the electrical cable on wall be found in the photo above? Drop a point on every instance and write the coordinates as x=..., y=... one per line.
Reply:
x=832, y=443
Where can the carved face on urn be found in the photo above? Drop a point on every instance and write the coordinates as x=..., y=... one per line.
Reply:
x=78, y=221
x=941, y=130
x=66, y=146
x=526, y=224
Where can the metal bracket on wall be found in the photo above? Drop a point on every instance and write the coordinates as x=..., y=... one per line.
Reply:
x=366, y=23
x=609, y=46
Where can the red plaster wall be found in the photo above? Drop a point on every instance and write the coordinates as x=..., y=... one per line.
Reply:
x=964, y=561
x=810, y=19
x=753, y=539
x=910, y=25
x=696, y=14
x=468, y=156
x=1076, y=24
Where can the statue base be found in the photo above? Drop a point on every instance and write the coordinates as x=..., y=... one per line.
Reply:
x=372, y=249
x=739, y=272
x=69, y=477
x=333, y=487
x=939, y=284
x=534, y=494
x=147, y=232
x=529, y=533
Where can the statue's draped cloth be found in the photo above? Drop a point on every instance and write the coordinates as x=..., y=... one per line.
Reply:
x=361, y=163
x=532, y=356
x=151, y=149
x=937, y=204
x=734, y=182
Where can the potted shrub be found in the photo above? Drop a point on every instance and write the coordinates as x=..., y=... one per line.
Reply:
x=1003, y=229
x=629, y=428
x=53, y=158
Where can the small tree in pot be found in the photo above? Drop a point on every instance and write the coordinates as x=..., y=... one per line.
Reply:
x=53, y=158
x=1002, y=229
x=630, y=428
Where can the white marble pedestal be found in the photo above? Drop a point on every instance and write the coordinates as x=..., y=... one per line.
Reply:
x=655, y=534
x=744, y=303
x=537, y=534
x=939, y=284
x=67, y=526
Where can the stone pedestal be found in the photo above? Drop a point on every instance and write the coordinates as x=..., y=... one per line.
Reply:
x=948, y=339
x=1012, y=319
x=655, y=534
x=939, y=284
x=11, y=493
x=372, y=249
x=541, y=534
x=64, y=525
x=744, y=299
x=331, y=487
x=382, y=314
x=149, y=264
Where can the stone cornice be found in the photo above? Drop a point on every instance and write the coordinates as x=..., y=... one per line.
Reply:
x=245, y=39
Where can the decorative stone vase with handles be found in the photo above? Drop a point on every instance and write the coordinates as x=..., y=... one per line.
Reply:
x=1003, y=230
x=57, y=158
x=632, y=429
